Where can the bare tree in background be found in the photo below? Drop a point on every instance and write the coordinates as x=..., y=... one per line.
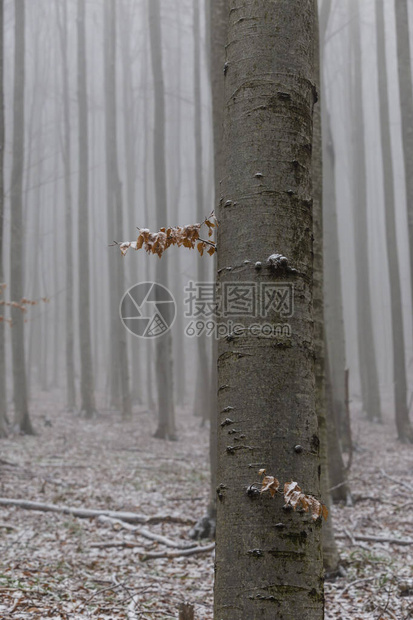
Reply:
x=202, y=387
x=119, y=352
x=370, y=392
x=406, y=111
x=335, y=350
x=131, y=141
x=404, y=428
x=3, y=395
x=217, y=35
x=164, y=375
x=330, y=551
x=268, y=560
x=87, y=389
x=21, y=411
x=66, y=151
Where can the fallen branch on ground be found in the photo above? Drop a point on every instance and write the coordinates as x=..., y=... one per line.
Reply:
x=86, y=513
x=174, y=554
x=400, y=482
x=140, y=531
x=392, y=541
x=354, y=583
x=122, y=544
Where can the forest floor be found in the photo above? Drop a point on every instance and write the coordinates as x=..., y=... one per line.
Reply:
x=51, y=565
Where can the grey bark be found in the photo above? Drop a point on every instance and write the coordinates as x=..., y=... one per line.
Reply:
x=66, y=149
x=119, y=353
x=164, y=378
x=268, y=560
x=3, y=395
x=404, y=428
x=366, y=350
x=330, y=551
x=87, y=389
x=21, y=411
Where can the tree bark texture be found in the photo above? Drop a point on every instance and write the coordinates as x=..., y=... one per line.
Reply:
x=268, y=559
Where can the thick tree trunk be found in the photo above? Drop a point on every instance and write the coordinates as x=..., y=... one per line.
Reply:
x=67, y=166
x=330, y=551
x=268, y=559
x=3, y=398
x=119, y=352
x=404, y=429
x=87, y=389
x=366, y=351
x=164, y=378
x=21, y=412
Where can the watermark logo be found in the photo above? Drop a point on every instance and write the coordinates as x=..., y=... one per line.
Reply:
x=148, y=310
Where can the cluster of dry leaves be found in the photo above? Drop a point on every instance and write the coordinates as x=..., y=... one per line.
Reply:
x=181, y=236
x=20, y=305
x=293, y=496
x=57, y=566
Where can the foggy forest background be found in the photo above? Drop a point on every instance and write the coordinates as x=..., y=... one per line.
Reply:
x=44, y=233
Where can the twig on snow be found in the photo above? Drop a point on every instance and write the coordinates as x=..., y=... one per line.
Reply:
x=86, y=513
x=173, y=554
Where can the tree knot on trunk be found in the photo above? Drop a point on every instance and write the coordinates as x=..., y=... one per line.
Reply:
x=278, y=262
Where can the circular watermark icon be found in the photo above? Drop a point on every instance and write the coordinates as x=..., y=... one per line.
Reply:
x=148, y=310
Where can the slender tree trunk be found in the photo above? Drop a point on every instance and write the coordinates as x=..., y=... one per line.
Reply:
x=406, y=110
x=66, y=149
x=330, y=551
x=119, y=352
x=87, y=389
x=335, y=351
x=218, y=10
x=21, y=412
x=404, y=428
x=129, y=133
x=367, y=356
x=149, y=344
x=180, y=382
x=164, y=378
x=201, y=404
x=3, y=395
x=113, y=362
x=333, y=295
x=268, y=560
